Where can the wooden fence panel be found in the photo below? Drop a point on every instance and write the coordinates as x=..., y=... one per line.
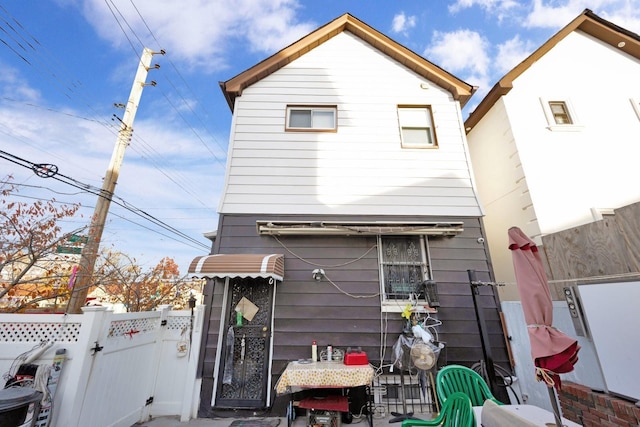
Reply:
x=609, y=247
x=628, y=220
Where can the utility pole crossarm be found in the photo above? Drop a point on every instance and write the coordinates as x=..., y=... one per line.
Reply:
x=90, y=251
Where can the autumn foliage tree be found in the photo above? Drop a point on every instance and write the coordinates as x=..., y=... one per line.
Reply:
x=32, y=272
x=30, y=268
x=123, y=281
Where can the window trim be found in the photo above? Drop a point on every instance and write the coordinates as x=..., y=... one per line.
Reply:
x=398, y=305
x=430, y=126
x=635, y=103
x=574, y=126
x=311, y=108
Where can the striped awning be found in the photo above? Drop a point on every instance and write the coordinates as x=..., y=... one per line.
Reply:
x=238, y=265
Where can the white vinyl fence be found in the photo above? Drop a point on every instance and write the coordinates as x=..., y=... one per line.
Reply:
x=119, y=369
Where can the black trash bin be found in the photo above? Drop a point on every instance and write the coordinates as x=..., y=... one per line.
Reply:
x=14, y=405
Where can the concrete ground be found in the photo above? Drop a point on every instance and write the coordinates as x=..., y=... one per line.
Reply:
x=300, y=421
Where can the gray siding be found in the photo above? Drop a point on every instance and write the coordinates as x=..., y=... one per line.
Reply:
x=308, y=310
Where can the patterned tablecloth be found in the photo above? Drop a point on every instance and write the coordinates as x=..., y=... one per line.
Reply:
x=323, y=375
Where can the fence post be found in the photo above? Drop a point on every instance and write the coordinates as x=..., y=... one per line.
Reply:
x=191, y=393
x=164, y=310
x=89, y=338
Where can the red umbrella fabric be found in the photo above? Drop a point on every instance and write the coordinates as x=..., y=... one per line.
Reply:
x=552, y=351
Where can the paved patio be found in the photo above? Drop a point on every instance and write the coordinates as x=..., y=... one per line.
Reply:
x=225, y=422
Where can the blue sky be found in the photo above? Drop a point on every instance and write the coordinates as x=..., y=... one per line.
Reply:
x=65, y=63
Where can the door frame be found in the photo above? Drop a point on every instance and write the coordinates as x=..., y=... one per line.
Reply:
x=270, y=281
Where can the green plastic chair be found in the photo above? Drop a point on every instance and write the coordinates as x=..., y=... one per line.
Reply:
x=457, y=378
x=456, y=412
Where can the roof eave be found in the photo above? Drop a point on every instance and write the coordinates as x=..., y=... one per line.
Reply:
x=588, y=22
x=460, y=90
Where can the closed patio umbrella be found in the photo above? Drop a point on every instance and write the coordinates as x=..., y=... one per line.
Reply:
x=552, y=351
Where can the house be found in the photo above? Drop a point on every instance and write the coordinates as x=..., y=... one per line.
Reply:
x=554, y=144
x=348, y=196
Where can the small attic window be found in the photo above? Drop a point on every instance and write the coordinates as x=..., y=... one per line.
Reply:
x=560, y=114
x=306, y=118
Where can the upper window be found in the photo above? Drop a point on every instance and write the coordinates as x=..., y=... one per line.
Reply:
x=560, y=115
x=416, y=127
x=311, y=118
x=403, y=268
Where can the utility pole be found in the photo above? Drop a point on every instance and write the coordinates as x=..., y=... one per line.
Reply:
x=90, y=250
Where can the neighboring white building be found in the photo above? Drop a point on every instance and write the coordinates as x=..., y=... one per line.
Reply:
x=555, y=143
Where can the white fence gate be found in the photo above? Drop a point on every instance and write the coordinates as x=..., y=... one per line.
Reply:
x=120, y=368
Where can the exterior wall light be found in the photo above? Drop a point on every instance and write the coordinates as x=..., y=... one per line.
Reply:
x=317, y=274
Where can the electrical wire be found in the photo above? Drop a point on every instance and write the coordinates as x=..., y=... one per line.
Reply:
x=107, y=2
x=51, y=171
x=184, y=81
x=323, y=265
x=22, y=41
x=349, y=294
x=39, y=59
x=151, y=33
x=503, y=374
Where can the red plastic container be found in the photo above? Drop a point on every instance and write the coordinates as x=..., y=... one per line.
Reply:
x=356, y=358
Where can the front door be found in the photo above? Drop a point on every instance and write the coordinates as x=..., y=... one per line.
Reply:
x=244, y=365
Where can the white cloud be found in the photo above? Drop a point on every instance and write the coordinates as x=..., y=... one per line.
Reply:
x=199, y=32
x=500, y=8
x=462, y=51
x=511, y=53
x=14, y=86
x=402, y=23
x=549, y=16
x=552, y=14
x=161, y=164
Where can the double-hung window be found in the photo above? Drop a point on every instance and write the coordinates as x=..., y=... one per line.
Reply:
x=560, y=115
x=308, y=118
x=403, y=268
x=416, y=127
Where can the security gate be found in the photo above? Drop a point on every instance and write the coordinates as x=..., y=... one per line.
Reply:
x=244, y=365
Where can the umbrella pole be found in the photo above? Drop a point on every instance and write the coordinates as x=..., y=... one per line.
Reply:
x=554, y=404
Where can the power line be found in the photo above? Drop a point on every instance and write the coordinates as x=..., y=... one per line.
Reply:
x=69, y=203
x=29, y=49
x=51, y=171
x=185, y=102
x=52, y=110
x=122, y=29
